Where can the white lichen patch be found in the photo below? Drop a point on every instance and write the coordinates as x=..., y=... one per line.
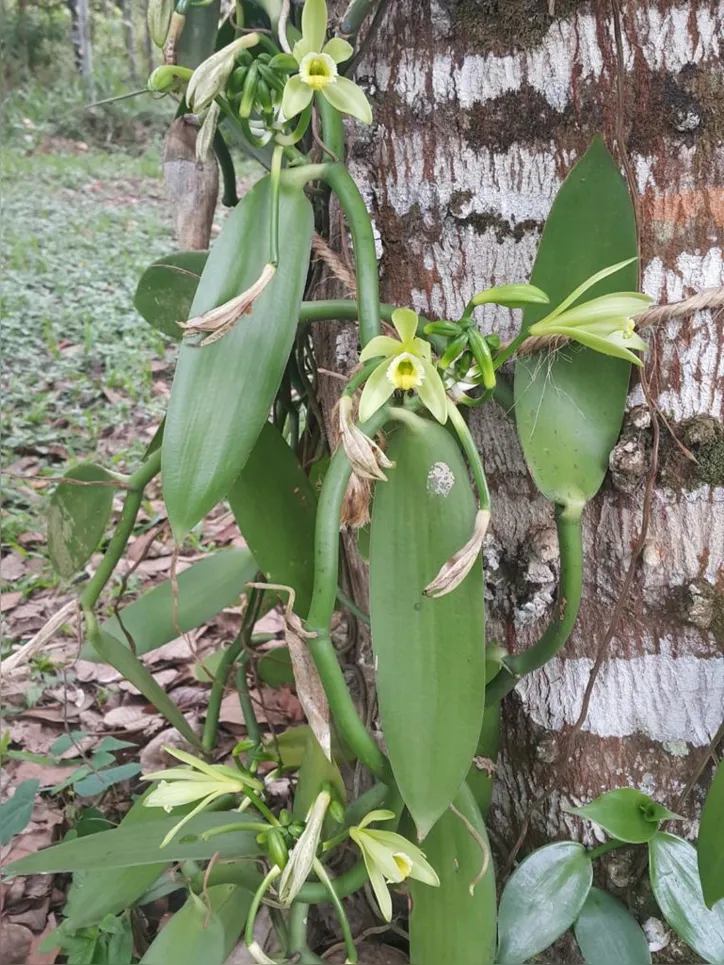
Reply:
x=663, y=697
x=440, y=479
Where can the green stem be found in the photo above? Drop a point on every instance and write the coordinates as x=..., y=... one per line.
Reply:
x=321, y=873
x=299, y=950
x=138, y=482
x=505, y=353
x=479, y=779
x=359, y=378
x=266, y=884
x=354, y=18
x=332, y=127
x=605, y=848
x=247, y=707
x=368, y=290
x=230, y=198
x=473, y=456
x=229, y=658
x=350, y=605
x=565, y=614
x=276, y=170
x=503, y=394
x=326, y=567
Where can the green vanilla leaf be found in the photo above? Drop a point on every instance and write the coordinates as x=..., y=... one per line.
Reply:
x=101, y=781
x=112, y=651
x=569, y=406
x=430, y=652
x=626, y=814
x=129, y=846
x=78, y=517
x=449, y=924
x=675, y=882
x=95, y=894
x=541, y=900
x=710, y=846
x=608, y=934
x=17, y=811
x=204, y=589
x=275, y=506
x=222, y=392
x=201, y=932
x=166, y=290
x=315, y=770
x=275, y=668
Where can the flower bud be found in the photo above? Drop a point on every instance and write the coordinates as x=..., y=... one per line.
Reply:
x=305, y=851
x=454, y=571
x=205, y=137
x=159, y=19
x=210, y=77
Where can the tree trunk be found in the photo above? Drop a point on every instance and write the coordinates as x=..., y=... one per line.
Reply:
x=192, y=187
x=80, y=34
x=129, y=37
x=481, y=108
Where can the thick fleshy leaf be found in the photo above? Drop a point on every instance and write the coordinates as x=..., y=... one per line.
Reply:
x=348, y=98
x=140, y=844
x=710, y=846
x=608, y=934
x=198, y=37
x=430, y=652
x=204, y=589
x=569, y=407
x=204, y=930
x=166, y=290
x=315, y=771
x=626, y=814
x=275, y=507
x=118, y=655
x=16, y=812
x=222, y=393
x=78, y=517
x=675, y=882
x=95, y=894
x=448, y=923
x=541, y=900
x=275, y=668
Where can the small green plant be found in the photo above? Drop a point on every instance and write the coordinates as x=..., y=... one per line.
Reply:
x=243, y=424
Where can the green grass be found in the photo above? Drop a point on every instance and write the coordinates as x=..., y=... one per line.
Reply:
x=77, y=231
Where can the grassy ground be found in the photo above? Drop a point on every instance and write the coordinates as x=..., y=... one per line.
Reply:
x=79, y=364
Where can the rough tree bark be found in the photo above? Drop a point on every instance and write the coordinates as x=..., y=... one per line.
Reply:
x=481, y=107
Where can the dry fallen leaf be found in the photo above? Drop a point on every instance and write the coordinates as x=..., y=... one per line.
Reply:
x=8, y=601
x=15, y=942
x=12, y=568
x=131, y=717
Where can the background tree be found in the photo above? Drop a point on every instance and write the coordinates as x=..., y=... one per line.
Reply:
x=480, y=110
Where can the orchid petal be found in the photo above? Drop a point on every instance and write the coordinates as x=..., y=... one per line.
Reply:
x=380, y=347
x=617, y=305
x=348, y=98
x=606, y=346
x=379, y=815
x=300, y=50
x=297, y=96
x=422, y=348
x=338, y=49
x=314, y=24
x=432, y=392
x=421, y=869
x=376, y=392
x=405, y=321
x=192, y=814
x=589, y=283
